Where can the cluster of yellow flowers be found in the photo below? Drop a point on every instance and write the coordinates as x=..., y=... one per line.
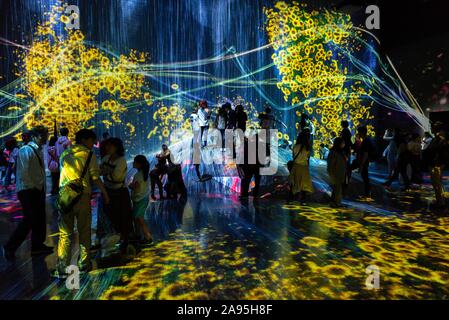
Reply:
x=311, y=74
x=168, y=119
x=67, y=79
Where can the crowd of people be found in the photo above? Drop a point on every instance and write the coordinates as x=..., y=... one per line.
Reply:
x=76, y=167
x=409, y=155
x=340, y=162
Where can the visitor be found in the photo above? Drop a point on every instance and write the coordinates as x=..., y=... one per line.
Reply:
x=300, y=180
x=232, y=117
x=364, y=148
x=3, y=164
x=346, y=135
x=402, y=161
x=78, y=162
x=391, y=151
x=53, y=165
x=139, y=195
x=267, y=119
x=175, y=183
x=241, y=118
x=203, y=119
x=324, y=151
x=30, y=188
x=113, y=168
x=305, y=123
x=163, y=159
x=336, y=168
x=63, y=142
x=438, y=158
x=415, y=156
x=10, y=153
x=248, y=170
x=221, y=123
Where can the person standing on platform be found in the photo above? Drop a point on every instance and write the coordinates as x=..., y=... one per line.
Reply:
x=30, y=187
x=163, y=159
x=221, y=123
x=336, y=168
x=75, y=161
x=203, y=119
x=300, y=179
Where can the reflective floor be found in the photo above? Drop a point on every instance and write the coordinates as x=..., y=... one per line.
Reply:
x=217, y=247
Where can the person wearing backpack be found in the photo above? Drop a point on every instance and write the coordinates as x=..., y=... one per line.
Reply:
x=78, y=168
x=30, y=188
x=53, y=165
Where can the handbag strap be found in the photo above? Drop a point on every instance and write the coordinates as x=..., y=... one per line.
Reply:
x=86, y=166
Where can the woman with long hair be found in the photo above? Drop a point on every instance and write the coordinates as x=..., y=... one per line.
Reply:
x=300, y=180
x=113, y=169
x=140, y=196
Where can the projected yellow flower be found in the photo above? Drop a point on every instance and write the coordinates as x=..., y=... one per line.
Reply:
x=307, y=58
x=70, y=82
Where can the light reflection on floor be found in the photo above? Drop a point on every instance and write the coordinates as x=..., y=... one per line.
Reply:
x=215, y=247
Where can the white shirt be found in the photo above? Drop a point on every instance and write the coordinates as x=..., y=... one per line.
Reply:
x=202, y=117
x=115, y=175
x=194, y=120
x=142, y=190
x=312, y=128
x=30, y=172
